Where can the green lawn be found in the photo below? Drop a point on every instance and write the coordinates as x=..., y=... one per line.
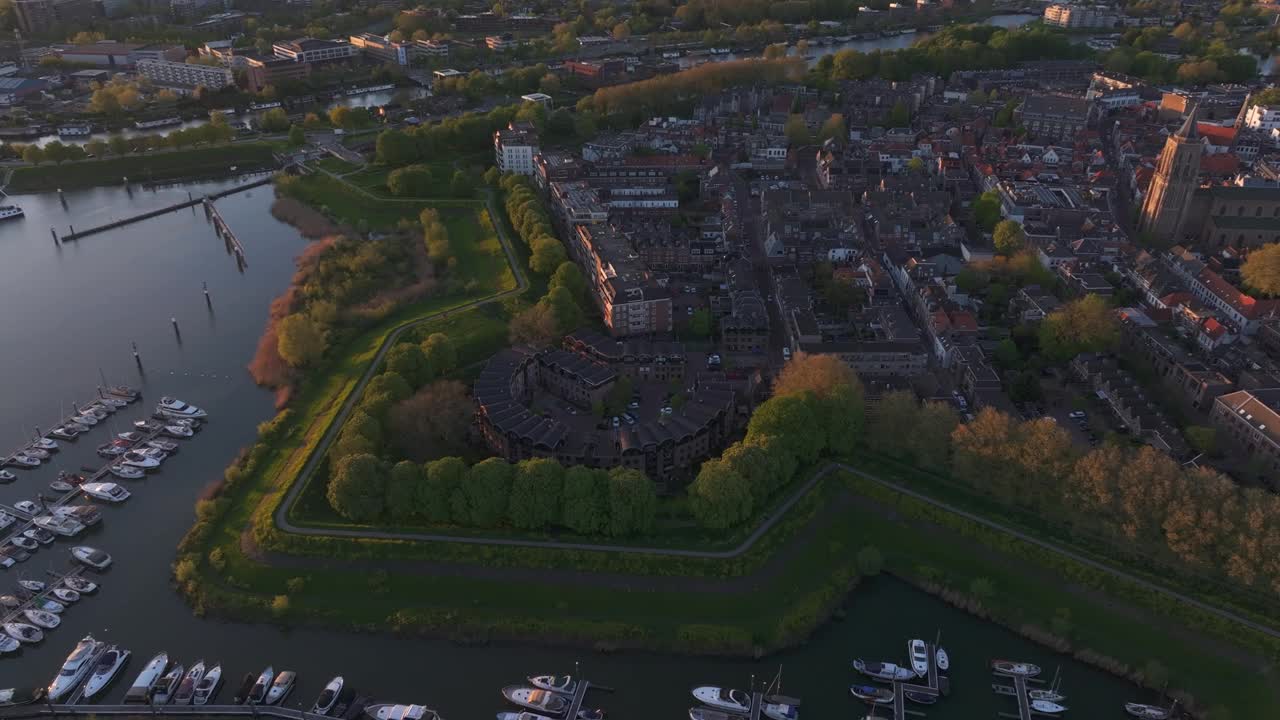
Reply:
x=147, y=167
x=335, y=165
x=348, y=205
x=374, y=179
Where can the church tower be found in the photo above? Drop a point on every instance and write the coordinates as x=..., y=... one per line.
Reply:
x=1174, y=182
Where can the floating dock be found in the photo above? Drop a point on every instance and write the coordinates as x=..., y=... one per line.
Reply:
x=1019, y=692
x=8, y=459
x=189, y=202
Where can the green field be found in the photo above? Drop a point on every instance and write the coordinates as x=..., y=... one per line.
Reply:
x=143, y=168
x=350, y=206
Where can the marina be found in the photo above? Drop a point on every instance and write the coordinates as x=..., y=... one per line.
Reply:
x=120, y=394
x=191, y=201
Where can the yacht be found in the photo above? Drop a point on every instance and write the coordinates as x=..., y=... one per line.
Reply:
x=919, y=654
x=115, y=402
x=328, y=697
x=25, y=543
x=872, y=694
x=64, y=433
x=261, y=686
x=1044, y=707
x=162, y=689
x=389, y=711
x=699, y=713
x=1148, y=712
x=8, y=644
x=9, y=212
x=281, y=688
x=23, y=632
x=124, y=392
x=44, y=537
x=1009, y=667
x=525, y=715
x=535, y=699
x=187, y=688
x=24, y=460
x=84, y=514
x=6, y=520
x=94, y=411
x=207, y=688
x=76, y=425
x=32, y=586
x=61, y=486
x=79, y=584
x=174, y=407
x=126, y=472
x=40, y=618
x=133, y=458
x=178, y=431
x=86, y=419
x=883, y=670
x=167, y=446
x=107, y=491
x=132, y=436
x=74, y=668
x=45, y=444
x=108, y=666
x=47, y=605
x=113, y=449
x=563, y=684
x=92, y=557
x=140, y=691
x=7, y=476
x=942, y=659
x=777, y=707
x=38, y=453
x=59, y=525
x=729, y=700
x=66, y=595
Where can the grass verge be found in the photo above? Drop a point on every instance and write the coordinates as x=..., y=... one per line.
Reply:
x=147, y=167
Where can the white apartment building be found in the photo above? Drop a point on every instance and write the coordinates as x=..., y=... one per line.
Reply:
x=184, y=75
x=1262, y=117
x=311, y=50
x=514, y=148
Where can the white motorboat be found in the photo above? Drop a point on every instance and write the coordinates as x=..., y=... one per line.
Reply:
x=535, y=699
x=107, y=491
x=41, y=618
x=22, y=460
x=140, y=691
x=64, y=433
x=61, y=486
x=10, y=602
x=919, y=654
x=162, y=689
x=6, y=520
x=76, y=425
x=132, y=436
x=106, y=669
x=872, y=694
x=727, y=699
x=40, y=535
x=7, y=476
x=86, y=419
x=147, y=425
x=37, y=453
x=92, y=557
x=114, y=402
x=1048, y=694
x=167, y=446
x=1010, y=667
x=133, y=458
x=261, y=687
x=22, y=632
x=390, y=711
x=281, y=688
x=112, y=449
x=563, y=684
x=8, y=644
x=124, y=392
x=74, y=668
x=780, y=708
x=48, y=605
x=207, y=688
x=1148, y=712
x=96, y=411
x=66, y=596
x=126, y=472
x=1045, y=707
x=178, y=431
x=32, y=586
x=883, y=670
x=24, y=542
x=187, y=688
x=79, y=584
x=59, y=525
x=45, y=444
x=328, y=697
x=174, y=407
x=85, y=514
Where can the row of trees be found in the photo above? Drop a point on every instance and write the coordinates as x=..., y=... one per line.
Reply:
x=533, y=494
x=58, y=152
x=1141, y=501
x=420, y=181
x=665, y=92
x=816, y=408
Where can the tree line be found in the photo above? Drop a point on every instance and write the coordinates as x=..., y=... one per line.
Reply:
x=468, y=133
x=666, y=92
x=535, y=494
x=58, y=152
x=1140, y=502
x=816, y=409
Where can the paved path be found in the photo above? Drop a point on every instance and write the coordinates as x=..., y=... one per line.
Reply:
x=331, y=433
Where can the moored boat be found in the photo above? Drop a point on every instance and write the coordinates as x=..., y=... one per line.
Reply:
x=919, y=654
x=92, y=557
x=7, y=476
x=535, y=699
x=563, y=684
x=127, y=472
x=246, y=686
x=872, y=694
x=1045, y=707
x=883, y=670
x=920, y=698
x=79, y=584
x=1148, y=712
x=389, y=711
x=78, y=664
x=174, y=407
x=261, y=686
x=178, y=431
x=727, y=699
x=163, y=688
x=64, y=433
x=328, y=697
x=107, y=491
x=40, y=535
x=140, y=691
x=33, y=586
x=1010, y=667
x=8, y=644
x=66, y=595
x=1049, y=694
x=187, y=687
x=709, y=714
x=281, y=687
x=106, y=669
x=64, y=526
x=207, y=688
x=23, y=632
x=42, y=618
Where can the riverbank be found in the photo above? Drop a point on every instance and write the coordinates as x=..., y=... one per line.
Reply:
x=162, y=166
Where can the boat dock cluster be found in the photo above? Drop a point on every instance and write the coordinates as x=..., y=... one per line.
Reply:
x=920, y=681
x=552, y=696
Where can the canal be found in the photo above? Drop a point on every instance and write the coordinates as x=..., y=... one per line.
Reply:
x=68, y=314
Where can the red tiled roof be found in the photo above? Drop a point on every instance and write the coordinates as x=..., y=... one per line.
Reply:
x=1217, y=134
x=1214, y=329
x=964, y=322
x=1247, y=306
x=1219, y=164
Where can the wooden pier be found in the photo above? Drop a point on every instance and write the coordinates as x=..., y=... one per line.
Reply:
x=223, y=230
x=935, y=685
x=189, y=202
x=1019, y=692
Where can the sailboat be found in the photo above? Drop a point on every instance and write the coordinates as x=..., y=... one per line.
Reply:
x=1051, y=694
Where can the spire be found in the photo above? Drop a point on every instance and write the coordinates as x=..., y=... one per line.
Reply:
x=1188, y=130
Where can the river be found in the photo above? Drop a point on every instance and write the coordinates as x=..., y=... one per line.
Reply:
x=69, y=312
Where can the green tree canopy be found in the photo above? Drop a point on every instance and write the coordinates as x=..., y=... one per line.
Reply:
x=1009, y=237
x=402, y=490
x=536, y=494
x=440, y=353
x=1261, y=270
x=585, y=499
x=486, y=492
x=1084, y=325
x=633, y=502
x=444, y=479
x=300, y=340
x=357, y=488
x=720, y=497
